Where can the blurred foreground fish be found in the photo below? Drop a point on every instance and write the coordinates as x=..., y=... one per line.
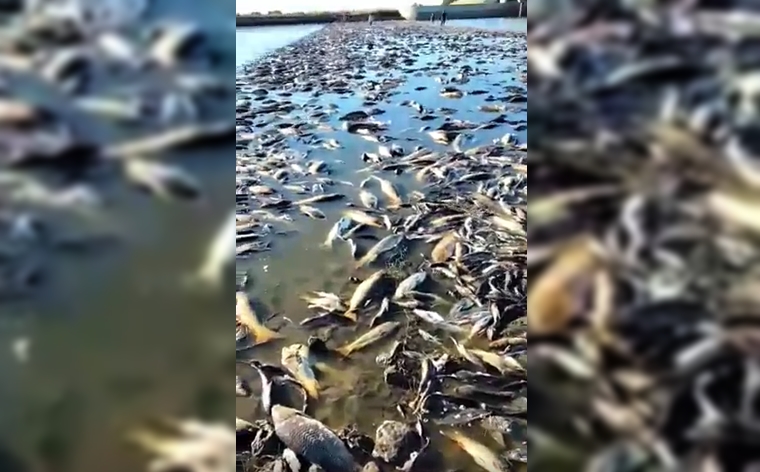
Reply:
x=221, y=254
x=247, y=318
x=161, y=180
x=312, y=440
x=195, y=446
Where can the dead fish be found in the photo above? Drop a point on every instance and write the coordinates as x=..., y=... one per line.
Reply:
x=381, y=312
x=324, y=300
x=409, y=285
x=451, y=92
x=338, y=231
x=123, y=110
x=331, y=144
x=176, y=138
x=382, y=246
x=297, y=360
x=247, y=318
x=161, y=179
x=481, y=454
x=353, y=248
x=312, y=212
x=325, y=197
x=242, y=389
x=444, y=249
x=368, y=199
x=370, y=337
x=311, y=440
x=363, y=218
x=220, y=255
x=172, y=43
x=261, y=190
x=390, y=191
x=18, y=113
x=364, y=292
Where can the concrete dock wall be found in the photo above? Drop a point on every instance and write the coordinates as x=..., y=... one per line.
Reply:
x=464, y=12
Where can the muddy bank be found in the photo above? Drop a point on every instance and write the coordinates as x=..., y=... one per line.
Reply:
x=367, y=157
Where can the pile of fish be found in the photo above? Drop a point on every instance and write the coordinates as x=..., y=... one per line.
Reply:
x=440, y=293
x=84, y=101
x=645, y=237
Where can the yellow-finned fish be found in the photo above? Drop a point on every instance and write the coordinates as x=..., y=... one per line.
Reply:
x=245, y=315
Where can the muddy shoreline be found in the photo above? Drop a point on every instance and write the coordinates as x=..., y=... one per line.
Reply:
x=381, y=124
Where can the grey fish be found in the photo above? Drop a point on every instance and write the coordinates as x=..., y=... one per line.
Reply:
x=312, y=440
x=409, y=285
x=382, y=246
x=364, y=292
x=370, y=337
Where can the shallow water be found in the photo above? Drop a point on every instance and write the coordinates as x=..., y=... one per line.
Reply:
x=297, y=264
x=251, y=43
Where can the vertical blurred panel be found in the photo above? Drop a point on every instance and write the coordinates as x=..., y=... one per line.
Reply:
x=643, y=233
x=116, y=177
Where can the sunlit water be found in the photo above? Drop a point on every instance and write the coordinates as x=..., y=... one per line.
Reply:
x=298, y=264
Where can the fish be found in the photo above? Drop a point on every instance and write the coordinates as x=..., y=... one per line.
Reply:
x=325, y=197
x=481, y=454
x=219, y=256
x=337, y=231
x=390, y=191
x=312, y=440
x=444, y=248
x=324, y=300
x=370, y=337
x=382, y=246
x=409, y=285
x=364, y=291
x=247, y=317
x=297, y=360
x=363, y=218
x=160, y=179
x=368, y=199
x=312, y=212
x=385, y=305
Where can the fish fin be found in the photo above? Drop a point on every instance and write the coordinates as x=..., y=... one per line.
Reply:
x=351, y=315
x=262, y=334
x=312, y=388
x=344, y=351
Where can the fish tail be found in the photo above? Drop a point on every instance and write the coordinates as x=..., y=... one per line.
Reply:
x=351, y=315
x=311, y=386
x=149, y=441
x=345, y=351
x=262, y=334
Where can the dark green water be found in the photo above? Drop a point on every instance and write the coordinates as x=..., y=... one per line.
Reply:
x=116, y=338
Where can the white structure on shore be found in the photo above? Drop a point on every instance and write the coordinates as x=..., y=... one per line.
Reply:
x=484, y=9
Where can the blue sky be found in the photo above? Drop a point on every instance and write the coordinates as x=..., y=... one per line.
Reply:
x=247, y=6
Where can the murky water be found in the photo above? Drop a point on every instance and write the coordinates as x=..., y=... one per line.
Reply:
x=116, y=337
x=255, y=42
x=297, y=263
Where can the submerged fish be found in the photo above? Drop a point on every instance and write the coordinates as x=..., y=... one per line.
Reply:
x=370, y=337
x=311, y=440
x=247, y=318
